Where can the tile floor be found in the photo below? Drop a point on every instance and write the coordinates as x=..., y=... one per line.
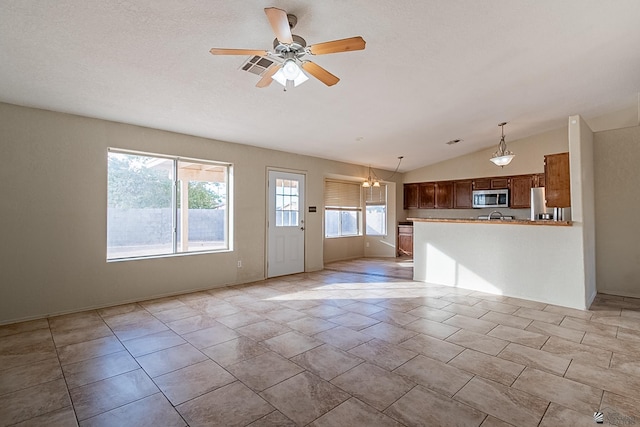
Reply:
x=357, y=344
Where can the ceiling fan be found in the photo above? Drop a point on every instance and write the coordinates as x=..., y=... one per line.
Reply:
x=289, y=51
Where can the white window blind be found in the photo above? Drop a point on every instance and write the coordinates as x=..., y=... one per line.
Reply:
x=376, y=195
x=342, y=195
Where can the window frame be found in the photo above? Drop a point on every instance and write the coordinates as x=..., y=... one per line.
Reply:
x=384, y=203
x=175, y=200
x=344, y=209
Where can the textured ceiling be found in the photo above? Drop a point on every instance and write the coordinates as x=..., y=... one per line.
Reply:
x=432, y=71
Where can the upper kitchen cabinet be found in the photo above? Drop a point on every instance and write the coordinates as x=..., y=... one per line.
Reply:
x=444, y=195
x=538, y=180
x=499, y=183
x=482, y=184
x=462, y=194
x=427, y=195
x=557, y=180
x=411, y=196
x=521, y=191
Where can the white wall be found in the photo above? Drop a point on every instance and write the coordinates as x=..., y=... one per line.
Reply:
x=536, y=262
x=617, y=203
x=53, y=181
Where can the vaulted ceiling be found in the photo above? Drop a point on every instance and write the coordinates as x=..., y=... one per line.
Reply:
x=432, y=71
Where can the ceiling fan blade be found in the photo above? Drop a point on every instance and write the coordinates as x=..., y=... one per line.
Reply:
x=266, y=79
x=248, y=52
x=320, y=73
x=280, y=24
x=335, y=46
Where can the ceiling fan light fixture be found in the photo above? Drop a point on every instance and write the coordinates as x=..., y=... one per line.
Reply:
x=502, y=157
x=290, y=69
x=281, y=78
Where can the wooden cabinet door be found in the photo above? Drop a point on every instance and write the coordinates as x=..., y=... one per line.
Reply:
x=499, y=183
x=444, y=195
x=521, y=191
x=557, y=187
x=405, y=240
x=427, y=195
x=482, y=184
x=539, y=180
x=411, y=196
x=462, y=194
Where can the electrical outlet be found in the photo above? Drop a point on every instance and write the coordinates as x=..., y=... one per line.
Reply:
x=239, y=264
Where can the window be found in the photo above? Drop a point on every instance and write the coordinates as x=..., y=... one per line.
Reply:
x=343, y=209
x=161, y=205
x=287, y=199
x=376, y=210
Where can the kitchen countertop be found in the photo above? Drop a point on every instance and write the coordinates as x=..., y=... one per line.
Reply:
x=493, y=221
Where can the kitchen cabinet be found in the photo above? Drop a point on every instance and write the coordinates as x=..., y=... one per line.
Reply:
x=427, y=195
x=539, y=180
x=444, y=195
x=411, y=196
x=405, y=240
x=557, y=180
x=462, y=194
x=521, y=191
x=482, y=184
x=499, y=183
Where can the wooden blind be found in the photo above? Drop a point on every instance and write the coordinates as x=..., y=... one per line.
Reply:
x=342, y=194
x=376, y=195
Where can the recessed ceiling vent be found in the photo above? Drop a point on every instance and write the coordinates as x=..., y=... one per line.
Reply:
x=256, y=65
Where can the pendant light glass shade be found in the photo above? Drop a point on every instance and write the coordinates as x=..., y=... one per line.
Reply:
x=370, y=182
x=502, y=157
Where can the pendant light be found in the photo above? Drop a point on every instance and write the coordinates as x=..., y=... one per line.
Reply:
x=502, y=157
x=370, y=182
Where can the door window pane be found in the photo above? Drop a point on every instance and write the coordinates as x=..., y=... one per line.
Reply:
x=287, y=202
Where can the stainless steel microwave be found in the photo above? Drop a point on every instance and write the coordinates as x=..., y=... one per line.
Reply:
x=491, y=198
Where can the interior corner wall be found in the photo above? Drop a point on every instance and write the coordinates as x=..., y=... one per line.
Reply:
x=617, y=204
x=53, y=181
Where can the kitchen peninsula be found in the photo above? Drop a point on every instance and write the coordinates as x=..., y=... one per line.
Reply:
x=535, y=260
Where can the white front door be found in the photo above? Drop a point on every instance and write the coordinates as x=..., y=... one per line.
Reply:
x=285, y=224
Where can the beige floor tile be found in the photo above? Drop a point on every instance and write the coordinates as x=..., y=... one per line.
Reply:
x=388, y=332
x=363, y=308
x=479, y=342
x=471, y=323
x=373, y=385
x=274, y=419
x=433, y=374
x=383, y=353
x=174, y=314
x=128, y=318
x=16, y=328
x=430, y=313
x=263, y=371
x=343, y=338
x=507, y=319
x=229, y=406
x=161, y=304
x=324, y=311
x=611, y=343
x=26, y=376
x=612, y=380
x=431, y=328
x=291, y=343
x=119, y=309
x=139, y=329
x=151, y=411
x=210, y=336
x=535, y=358
x=64, y=417
x=192, y=324
x=327, y=361
x=555, y=330
x=572, y=394
x=234, y=351
x=304, y=397
x=192, y=381
x=535, y=305
x=216, y=310
x=543, y=316
x=496, y=306
x=354, y=321
x=284, y=315
x=432, y=347
x=73, y=336
x=466, y=310
x=170, y=359
x=588, y=326
x=505, y=403
x=486, y=366
x=263, y=330
x=26, y=348
x=421, y=406
x=461, y=299
x=89, y=349
x=71, y=321
x=558, y=415
x=629, y=363
x=101, y=396
x=98, y=368
x=153, y=342
x=311, y=325
x=353, y=412
x=578, y=352
x=400, y=304
x=32, y=402
x=530, y=339
x=623, y=322
x=572, y=312
x=628, y=334
x=491, y=421
x=622, y=409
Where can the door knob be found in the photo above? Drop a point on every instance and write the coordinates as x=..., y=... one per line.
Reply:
x=302, y=228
